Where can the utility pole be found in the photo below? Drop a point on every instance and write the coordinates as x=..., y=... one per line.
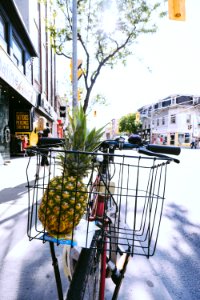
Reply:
x=74, y=55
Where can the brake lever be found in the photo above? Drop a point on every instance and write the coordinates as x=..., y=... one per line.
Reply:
x=143, y=150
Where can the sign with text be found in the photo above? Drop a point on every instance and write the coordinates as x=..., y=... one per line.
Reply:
x=22, y=120
x=11, y=74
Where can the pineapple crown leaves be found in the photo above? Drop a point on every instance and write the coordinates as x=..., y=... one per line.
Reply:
x=79, y=138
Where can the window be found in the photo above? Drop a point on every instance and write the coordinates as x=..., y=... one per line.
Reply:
x=187, y=137
x=3, y=33
x=163, y=120
x=166, y=103
x=157, y=122
x=149, y=111
x=37, y=43
x=172, y=138
x=173, y=119
x=188, y=118
x=183, y=138
x=156, y=106
x=173, y=101
x=18, y=54
x=2, y=28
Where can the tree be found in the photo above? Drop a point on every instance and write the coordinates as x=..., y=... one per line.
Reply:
x=129, y=124
x=107, y=31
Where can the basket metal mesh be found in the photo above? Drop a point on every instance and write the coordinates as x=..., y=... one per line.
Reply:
x=132, y=193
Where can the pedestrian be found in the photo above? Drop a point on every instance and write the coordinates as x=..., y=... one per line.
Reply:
x=46, y=131
x=44, y=152
x=193, y=144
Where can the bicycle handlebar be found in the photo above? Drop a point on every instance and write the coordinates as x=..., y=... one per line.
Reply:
x=112, y=145
x=150, y=149
x=173, y=150
x=50, y=142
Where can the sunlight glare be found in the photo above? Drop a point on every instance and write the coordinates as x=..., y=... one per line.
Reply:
x=109, y=18
x=109, y=22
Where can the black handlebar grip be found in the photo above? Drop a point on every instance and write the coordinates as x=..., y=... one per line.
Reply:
x=173, y=150
x=50, y=141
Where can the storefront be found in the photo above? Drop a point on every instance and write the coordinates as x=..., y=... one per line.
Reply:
x=60, y=128
x=25, y=95
x=17, y=101
x=44, y=116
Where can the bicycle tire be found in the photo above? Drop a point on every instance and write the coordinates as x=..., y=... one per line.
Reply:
x=86, y=278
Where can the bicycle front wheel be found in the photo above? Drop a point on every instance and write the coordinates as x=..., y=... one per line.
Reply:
x=86, y=278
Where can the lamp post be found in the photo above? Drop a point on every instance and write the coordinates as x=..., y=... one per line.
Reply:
x=74, y=55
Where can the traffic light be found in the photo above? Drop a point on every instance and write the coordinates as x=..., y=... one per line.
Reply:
x=176, y=10
x=62, y=111
x=79, y=69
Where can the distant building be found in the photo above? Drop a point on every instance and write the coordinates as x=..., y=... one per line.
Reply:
x=174, y=120
x=112, y=129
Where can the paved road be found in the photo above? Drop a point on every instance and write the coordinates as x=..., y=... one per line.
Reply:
x=173, y=273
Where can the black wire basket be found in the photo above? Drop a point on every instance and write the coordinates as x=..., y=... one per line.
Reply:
x=130, y=191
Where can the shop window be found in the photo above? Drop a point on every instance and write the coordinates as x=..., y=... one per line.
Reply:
x=183, y=138
x=187, y=138
x=173, y=119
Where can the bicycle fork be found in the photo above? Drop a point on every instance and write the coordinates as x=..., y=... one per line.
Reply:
x=118, y=271
x=115, y=270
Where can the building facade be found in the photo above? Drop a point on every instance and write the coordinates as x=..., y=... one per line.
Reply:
x=17, y=94
x=35, y=15
x=174, y=120
x=27, y=75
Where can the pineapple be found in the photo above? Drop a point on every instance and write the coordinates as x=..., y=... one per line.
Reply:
x=65, y=199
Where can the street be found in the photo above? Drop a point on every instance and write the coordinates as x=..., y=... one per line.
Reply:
x=26, y=270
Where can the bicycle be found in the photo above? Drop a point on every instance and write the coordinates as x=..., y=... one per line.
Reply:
x=125, y=202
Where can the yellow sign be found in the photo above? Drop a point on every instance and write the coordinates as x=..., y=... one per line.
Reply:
x=33, y=138
x=22, y=121
x=176, y=9
x=137, y=116
x=79, y=69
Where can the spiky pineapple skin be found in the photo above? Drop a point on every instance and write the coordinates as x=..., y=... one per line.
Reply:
x=63, y=204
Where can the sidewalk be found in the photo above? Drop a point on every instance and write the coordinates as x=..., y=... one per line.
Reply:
x=26, y=268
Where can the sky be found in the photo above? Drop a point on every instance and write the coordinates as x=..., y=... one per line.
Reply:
x=162, y=64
